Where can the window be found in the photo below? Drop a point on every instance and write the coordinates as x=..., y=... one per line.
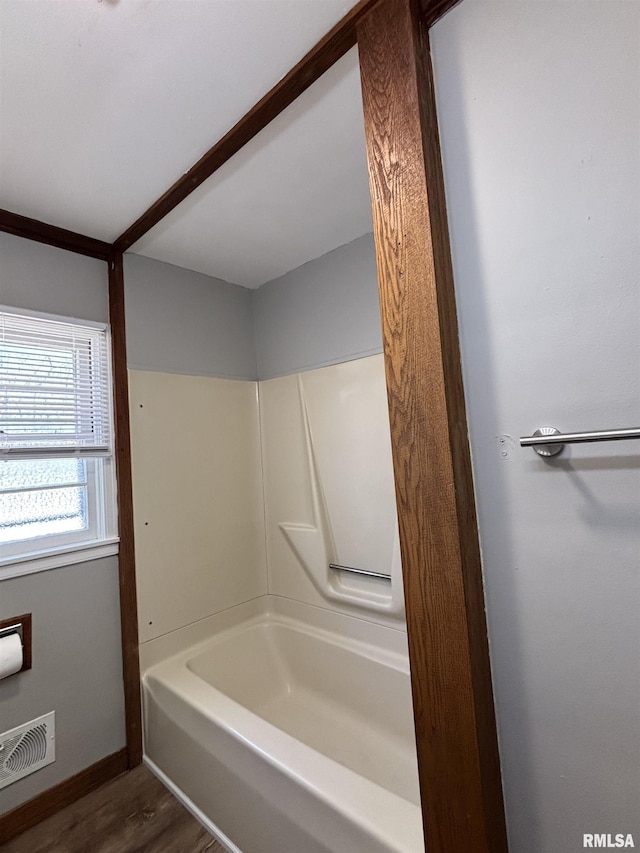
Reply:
x=56, y=467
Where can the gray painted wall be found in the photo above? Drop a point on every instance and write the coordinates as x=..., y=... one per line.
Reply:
x=77, y=668
x=539, y=118
x=42, y=278
x=180, y=321
x=77, y=661
x=323, y=312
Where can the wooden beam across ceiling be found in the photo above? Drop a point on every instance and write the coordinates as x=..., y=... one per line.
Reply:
x=432, y=10
x=41, y=232
x=311, y=67
x=341, y=38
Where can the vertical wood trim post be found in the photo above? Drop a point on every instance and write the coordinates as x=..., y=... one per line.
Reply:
x=458, y=758
x=127, y=567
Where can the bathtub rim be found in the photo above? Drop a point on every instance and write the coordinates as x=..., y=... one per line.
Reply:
x=392, y=637
x=344, y=790
x=177, y=676
x=362, y=648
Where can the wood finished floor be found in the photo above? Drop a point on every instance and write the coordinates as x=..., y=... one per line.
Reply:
x=134, y=813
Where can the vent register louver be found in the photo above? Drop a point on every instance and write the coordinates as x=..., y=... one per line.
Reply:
x=27, y=748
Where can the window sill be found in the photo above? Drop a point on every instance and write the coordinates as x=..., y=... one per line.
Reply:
x=41, y=561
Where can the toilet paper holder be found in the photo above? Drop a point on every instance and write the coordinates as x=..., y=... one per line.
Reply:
x=20, y=625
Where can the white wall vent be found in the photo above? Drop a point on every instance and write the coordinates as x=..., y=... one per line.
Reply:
x=27, y=748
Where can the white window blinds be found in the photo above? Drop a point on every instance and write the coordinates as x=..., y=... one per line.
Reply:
x=55, y=395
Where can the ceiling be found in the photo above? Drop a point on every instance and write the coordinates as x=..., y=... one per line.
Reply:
x=105, y=103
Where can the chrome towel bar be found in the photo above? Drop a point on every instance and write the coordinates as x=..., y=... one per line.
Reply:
x=359, y=571
x=548, y=441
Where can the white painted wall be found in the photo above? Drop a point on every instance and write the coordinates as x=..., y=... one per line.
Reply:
x=539, y=116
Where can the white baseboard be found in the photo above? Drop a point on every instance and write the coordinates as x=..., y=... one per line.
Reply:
x=199, y=815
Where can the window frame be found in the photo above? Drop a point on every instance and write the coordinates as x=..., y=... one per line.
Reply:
x=100, y=538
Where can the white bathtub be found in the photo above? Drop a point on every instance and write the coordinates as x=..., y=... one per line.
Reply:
x=290, y=738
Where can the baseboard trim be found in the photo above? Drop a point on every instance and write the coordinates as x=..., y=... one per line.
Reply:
x=49, y=802
x=190, y=806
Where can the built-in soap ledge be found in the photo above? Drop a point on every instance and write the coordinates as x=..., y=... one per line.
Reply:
x=364, y=588
x=364, y=572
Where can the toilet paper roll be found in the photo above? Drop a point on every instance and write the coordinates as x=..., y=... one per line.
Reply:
x=10, y=655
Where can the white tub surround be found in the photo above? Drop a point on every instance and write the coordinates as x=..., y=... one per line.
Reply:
x=214, y=460
x=291, y=729
x=329, y=490
x=197, y=490
x=314, y=544
x=283, y=720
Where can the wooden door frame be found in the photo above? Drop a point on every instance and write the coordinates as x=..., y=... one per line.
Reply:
x=450, y=672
